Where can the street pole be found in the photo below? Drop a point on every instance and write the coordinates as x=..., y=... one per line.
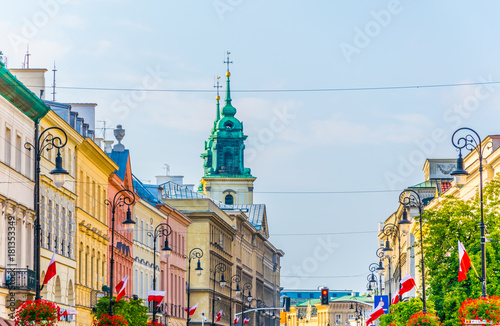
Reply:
x=410, y=198
x=472, y=141
x=220, y=267
x=44, y=141
x=234, y=279
x=123, y=197
x=162, y=229
x=194, y=253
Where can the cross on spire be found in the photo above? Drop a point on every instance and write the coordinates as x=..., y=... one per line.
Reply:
x=228, y=62
x=218, y=85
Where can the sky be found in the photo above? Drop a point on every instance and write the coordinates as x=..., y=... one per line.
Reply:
x=329, y=163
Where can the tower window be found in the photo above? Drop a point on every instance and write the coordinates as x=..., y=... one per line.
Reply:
x=229, y=200
x=228, y=125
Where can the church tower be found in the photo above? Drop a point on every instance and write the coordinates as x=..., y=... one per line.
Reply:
x=225, y=177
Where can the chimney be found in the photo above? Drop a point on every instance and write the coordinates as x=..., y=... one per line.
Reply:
x=119, y=133
x=33, y=79
x=107, y=146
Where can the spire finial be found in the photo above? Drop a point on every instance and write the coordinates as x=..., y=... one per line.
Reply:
x=228, y=63
x=218, y=98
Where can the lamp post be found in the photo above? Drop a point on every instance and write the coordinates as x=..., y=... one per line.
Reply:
x=392, y=230
x=44, y=141
x=221, y=268
x=471, y=141
x=246, y=286
x=411, y=199
x=122, y=198
x=374, y=267
x=161, y=230
x=194, y=253
x=234, y=279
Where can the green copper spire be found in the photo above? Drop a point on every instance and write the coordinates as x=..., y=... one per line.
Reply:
x=228, y=110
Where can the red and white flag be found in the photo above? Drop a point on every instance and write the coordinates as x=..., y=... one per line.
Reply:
x=236, y=319
x=69, y=312
x=395, y=300
x=464, y=262
x=192, y=309
x=407, y=283
x=120, y=288
x=156, y=296
x=51, y=270
x=379, y=311
x=245, y=321
x=219, y=316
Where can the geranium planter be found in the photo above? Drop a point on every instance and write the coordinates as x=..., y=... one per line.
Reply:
x=421, y=319
x=107, y=320
x=485, y=309
x=39, y=312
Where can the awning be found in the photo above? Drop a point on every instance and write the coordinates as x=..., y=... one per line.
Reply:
x=6, y=322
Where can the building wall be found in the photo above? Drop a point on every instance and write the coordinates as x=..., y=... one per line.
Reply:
x=16, y=197
x=58, y=217
x=93, y=168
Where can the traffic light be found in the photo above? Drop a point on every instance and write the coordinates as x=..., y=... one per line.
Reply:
x=286, y=303
x=324, y=296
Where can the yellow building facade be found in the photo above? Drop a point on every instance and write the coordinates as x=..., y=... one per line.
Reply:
x=93, y=168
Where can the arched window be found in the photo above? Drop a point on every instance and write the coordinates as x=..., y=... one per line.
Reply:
x=229, y=200
x=71, y=294
x=58, y=296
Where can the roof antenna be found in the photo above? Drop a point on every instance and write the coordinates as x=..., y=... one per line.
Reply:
x=26, y=63
x=54, y=84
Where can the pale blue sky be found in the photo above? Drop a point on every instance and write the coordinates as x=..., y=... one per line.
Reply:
x=326, y=141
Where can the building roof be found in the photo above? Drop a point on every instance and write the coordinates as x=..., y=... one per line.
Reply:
x=350, y=298
x=121, y=159
x=20, y=96
x=147, y=192
x=306, y=303
x=255, y=212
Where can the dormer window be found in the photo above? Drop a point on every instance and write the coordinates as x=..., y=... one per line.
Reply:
x=229, y=200
x=228, y=125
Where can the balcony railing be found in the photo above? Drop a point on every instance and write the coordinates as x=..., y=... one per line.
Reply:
x=19, y=279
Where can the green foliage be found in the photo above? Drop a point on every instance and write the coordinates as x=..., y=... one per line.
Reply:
x=400, y=313
x=457, y=219
x=134, y=311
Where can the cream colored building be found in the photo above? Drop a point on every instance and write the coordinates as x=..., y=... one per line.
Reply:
x=18, y=111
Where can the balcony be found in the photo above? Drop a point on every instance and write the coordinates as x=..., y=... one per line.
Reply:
x=19, y=279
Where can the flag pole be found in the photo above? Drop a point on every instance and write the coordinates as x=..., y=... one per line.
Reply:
x=474, y=268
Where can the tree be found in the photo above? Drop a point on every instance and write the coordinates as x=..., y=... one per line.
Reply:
x=134, y=311
x=400, y=313
x=457, y=219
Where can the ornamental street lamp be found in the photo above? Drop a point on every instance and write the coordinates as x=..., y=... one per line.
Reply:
x=234, y=279
x=374, y=267
x=411, y=199
x=122, y=198
x=221, y=268
x=45, y=141
x=194, y=253
x=392, y=230
x=471, y=142
x=246, y=286
x=161, y=230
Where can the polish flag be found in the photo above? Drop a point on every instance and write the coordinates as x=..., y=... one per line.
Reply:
x=245, y=321
x=51, y=270
x=219, y=316
x=69, y=312
x=192, y=309
x=156, y=296
x=379, y=311
x=395, y=300
x=120, y=288
x=464, y=262
x=236, y=319
x=407, y=283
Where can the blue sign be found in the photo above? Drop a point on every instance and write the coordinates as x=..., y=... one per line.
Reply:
x=384, y=299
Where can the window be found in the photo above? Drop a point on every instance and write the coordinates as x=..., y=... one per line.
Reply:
x=19, y=152
x=350, y=317
x=229, y=200
x=29, y=162
x=8, y=134
x=299, y=295
x=311, y=295
x=338, y=319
